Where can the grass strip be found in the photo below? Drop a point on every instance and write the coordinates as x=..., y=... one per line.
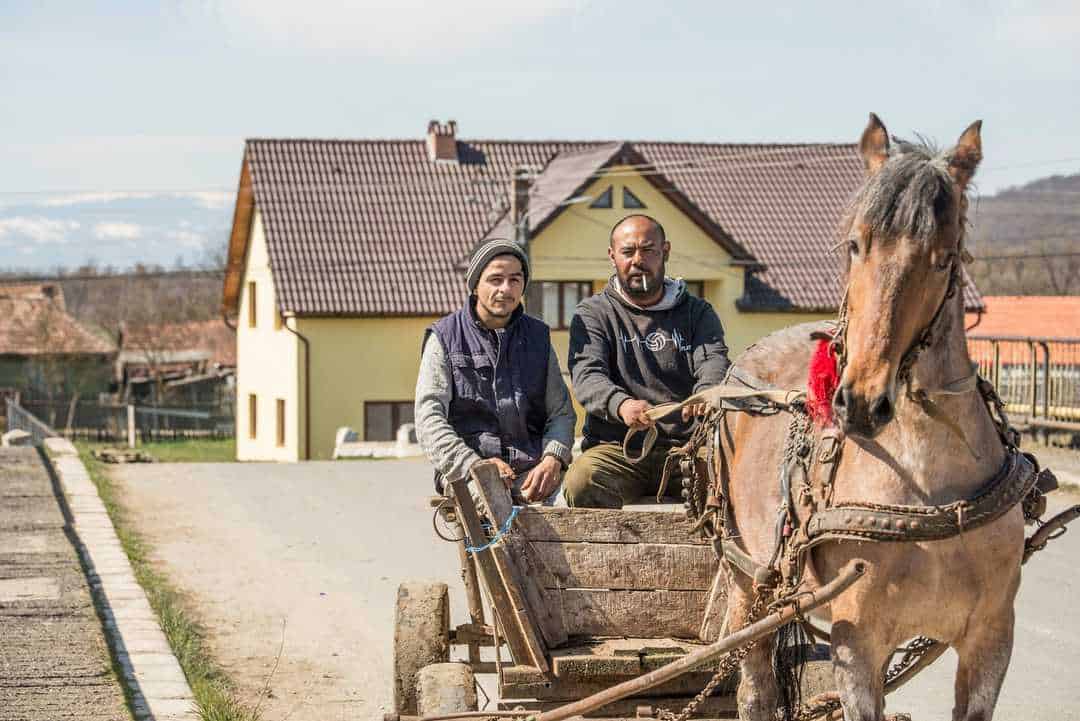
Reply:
x=215, y=694
x=198, y=450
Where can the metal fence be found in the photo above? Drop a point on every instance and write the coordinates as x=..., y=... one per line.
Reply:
x=1038, y=378
x=18, y=418
x=109, y=422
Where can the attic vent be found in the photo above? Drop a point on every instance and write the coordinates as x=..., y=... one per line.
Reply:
x=603, y=200
x=629, y=200
x=442, y=142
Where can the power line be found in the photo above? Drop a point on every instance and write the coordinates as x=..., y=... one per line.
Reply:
x=732, y=161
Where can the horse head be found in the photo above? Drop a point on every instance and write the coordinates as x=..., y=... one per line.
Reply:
x=904, y=243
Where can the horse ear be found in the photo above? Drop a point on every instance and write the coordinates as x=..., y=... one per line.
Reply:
x=874, y=145
x=966, y=155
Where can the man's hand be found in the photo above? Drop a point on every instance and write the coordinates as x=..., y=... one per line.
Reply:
x=542, y=480
x=506, y=473
x=695, y=411
x=632, y=413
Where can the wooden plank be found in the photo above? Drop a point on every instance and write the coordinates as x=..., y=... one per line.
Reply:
x=522, y=646
x=516, y=559
x=596, y=525
x=647, y=614
x=631, y=566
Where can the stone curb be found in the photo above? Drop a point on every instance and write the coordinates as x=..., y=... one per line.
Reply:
x=160, y=692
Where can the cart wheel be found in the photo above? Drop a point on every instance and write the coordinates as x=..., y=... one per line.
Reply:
x=421, y=637
x=444, y=688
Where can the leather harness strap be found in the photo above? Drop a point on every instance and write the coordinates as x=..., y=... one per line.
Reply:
x=884, y=522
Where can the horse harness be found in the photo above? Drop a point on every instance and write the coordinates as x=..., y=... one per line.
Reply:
x=1019, y=480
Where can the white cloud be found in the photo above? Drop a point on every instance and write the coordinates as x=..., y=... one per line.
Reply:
x=117, y=231
x=39, y=230
x=213, y=200
x=187, y=238
x=401, y=29
x=66, y=199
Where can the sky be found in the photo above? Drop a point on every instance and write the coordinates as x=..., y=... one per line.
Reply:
x=122, y=123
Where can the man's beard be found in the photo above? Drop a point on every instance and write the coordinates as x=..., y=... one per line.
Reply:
x=646, y=287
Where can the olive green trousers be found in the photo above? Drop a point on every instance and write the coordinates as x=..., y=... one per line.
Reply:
x=601, y=477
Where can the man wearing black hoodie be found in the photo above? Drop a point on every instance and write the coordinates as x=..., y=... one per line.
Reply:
x=643, y=341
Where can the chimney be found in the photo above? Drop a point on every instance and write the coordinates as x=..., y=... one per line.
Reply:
x=442, y=142
x=519, y=205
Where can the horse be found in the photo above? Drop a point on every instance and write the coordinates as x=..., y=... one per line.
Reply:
x=910, y=429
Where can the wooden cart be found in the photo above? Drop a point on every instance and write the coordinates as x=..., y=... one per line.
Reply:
x=580, y=599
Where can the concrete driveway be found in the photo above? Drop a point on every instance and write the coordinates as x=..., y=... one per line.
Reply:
x=306, y=558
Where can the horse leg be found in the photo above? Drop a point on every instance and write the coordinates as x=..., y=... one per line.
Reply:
x=984, y=655
x=857, y=669
x=758, y=692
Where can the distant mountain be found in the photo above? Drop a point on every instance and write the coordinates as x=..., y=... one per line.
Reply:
x=1039, y=225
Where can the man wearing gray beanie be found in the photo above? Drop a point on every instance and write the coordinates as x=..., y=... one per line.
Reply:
x=490, y=386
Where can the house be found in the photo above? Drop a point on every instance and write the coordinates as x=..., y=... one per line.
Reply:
x=342, y=252
x=44, y=351
x=182, y=363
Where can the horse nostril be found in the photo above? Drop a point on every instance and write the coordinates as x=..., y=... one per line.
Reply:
x=882, y=411
x=842, y=399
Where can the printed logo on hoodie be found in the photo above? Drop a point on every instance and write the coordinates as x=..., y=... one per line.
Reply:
x=657, y=341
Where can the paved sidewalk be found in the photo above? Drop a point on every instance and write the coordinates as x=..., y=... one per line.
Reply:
x=54, y=663
x=159, y=690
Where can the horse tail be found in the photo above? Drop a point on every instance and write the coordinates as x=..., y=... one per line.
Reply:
x=791, y=650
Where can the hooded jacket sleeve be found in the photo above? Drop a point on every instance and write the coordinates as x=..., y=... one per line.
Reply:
x=709, y=353
x=591, y=357
x=561, y=417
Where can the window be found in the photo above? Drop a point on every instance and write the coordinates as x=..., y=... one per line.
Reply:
x=629, y=200
x=554, y=301
x=695, y=287
x=253, y=415
x=280, y=422
x=251, y=304
x=383, y=418
x=603, y=200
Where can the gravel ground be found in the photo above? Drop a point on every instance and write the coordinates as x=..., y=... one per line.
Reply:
x=306, y=559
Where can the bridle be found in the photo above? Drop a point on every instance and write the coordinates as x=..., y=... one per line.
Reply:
x=930, y=333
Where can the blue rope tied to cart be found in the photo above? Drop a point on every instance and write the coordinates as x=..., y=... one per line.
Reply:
x=503, y=530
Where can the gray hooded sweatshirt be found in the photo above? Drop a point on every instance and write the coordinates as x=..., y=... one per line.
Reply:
x=621, y=351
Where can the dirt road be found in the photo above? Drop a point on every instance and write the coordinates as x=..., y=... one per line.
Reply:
x=321, y=547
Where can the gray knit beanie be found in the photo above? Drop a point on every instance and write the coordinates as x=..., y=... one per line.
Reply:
x=489, y=250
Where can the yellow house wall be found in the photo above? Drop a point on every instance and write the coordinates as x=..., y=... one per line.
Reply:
x=354, y=360
x=268, y=365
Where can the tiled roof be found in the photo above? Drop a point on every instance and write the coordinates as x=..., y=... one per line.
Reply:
x=36, y=326
x=210, y=336
x=374, y=227
x=1029, y=316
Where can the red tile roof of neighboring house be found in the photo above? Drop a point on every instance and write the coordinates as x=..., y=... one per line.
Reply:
x=1029, y=316
x=375, y=227
x=210, y=336
x=35, y=324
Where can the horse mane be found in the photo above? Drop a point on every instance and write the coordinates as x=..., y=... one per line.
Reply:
x=908, y=196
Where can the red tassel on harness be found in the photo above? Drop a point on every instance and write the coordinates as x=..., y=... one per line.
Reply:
x=821, y=384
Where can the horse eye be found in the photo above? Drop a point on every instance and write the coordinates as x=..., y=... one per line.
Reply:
x=853, y=246
x=945, y=264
